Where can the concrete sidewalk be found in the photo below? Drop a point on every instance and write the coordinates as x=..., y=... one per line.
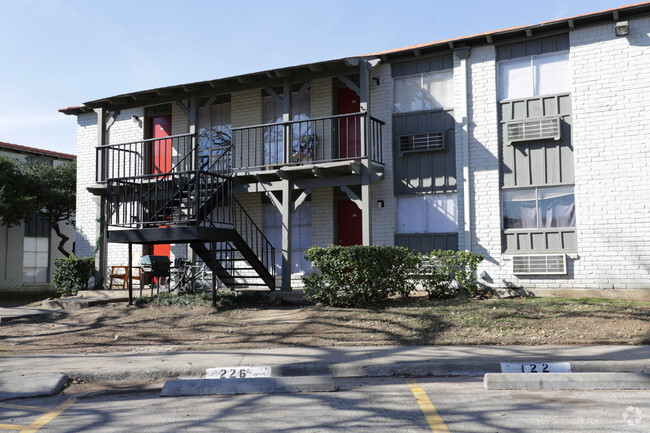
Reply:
x=27, y=371
x=336, y=361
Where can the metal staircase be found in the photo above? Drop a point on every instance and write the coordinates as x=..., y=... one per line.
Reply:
x=190, y=203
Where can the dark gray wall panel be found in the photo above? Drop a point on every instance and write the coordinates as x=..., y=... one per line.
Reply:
x=548, y=240
x=424, y=171
x=537, y=162
x=427, y=242
x=419, y=66
x=529, y=48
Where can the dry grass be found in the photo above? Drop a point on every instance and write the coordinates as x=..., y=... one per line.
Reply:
x=532, y=321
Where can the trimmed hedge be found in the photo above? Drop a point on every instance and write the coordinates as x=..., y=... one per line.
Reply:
x=72, y=274
x=444, y=266
x=359, y=276
x=363, y=276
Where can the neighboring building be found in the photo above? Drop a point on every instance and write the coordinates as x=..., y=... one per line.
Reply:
x=27, y=251
x=527, y=145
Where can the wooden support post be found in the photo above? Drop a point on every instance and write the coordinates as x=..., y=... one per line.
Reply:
x=102, y=175
x=286, y=235
x=213, y=246
x=129, y=270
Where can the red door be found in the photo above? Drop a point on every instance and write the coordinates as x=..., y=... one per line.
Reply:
x=349, y=127
x=161, y=159
x=161, y=150
x=349, y=223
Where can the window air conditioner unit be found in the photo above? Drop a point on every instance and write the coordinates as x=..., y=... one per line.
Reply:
x=541, y=129
x=539, y=264
x=422, y=142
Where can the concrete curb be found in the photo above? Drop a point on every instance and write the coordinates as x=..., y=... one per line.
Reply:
x=360, y=369
x=35, y=385
x=568, y=381
x=260, y=385
x=78, y=303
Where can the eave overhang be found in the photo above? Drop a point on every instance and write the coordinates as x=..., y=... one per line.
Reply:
x=275, y=77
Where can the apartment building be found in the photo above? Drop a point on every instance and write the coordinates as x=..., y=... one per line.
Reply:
x=527, y=145
x=28, y=250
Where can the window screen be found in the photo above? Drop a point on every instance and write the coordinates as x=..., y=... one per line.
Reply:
x=300, y=236
x=539, y=208
x=427, y=214
x=534, y=75
x=428, y=91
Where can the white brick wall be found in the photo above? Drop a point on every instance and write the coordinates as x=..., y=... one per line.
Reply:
x=610, y=89
x=381, y=107
x=485, y=201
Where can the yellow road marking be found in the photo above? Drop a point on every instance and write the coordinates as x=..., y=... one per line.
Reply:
x=49, y=415
x=25, y=408
x=430, y=413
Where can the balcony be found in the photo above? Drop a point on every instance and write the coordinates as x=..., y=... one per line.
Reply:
x=319, y=147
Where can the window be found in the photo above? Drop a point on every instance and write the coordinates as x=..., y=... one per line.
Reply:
x=428, y=91
x=427, y=214
x=215, y=133
x=542, y=74
x=36, y=250
x=273, y=112
x=539, y=208
x=300, y=236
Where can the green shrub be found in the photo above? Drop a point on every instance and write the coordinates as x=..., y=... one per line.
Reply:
x=359, y=276
x=444, y=267
x=72, y=274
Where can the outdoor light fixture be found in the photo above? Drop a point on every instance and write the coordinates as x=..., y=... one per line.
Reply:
x=622, y=28
x=375, y=80
x=380, y=203
x=135, y=119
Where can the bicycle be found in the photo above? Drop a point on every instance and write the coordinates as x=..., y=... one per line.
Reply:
x=189, y=278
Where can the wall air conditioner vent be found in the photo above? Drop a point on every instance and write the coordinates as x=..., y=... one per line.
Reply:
x=421, y=142
x=541, y=129
x=539, y=264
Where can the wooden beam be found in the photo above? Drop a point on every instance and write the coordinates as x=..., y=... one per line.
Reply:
x=274, y=95
x=302, y=198
x=351, y=195
x=183, y=108
x=166, y=92
x=349, y=83
x=206, y=106
x=303, y=89
x=277, y=203
x=111, y=119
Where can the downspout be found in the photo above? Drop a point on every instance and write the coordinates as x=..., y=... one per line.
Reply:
x=463, y=54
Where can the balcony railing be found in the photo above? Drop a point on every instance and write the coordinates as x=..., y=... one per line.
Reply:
x=173, y=154
x=305, y=141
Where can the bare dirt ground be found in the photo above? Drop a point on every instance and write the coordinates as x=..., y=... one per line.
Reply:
x=538, y=321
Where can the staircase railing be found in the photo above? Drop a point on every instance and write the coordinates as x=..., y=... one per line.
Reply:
x=253, y=236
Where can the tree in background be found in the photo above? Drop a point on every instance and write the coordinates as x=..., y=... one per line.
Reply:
x=16, y=195
x=38, y=188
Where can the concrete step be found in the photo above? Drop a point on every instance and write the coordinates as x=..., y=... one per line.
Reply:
x=583, y=381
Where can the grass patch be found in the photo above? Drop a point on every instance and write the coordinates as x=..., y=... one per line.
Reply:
x=225, y=300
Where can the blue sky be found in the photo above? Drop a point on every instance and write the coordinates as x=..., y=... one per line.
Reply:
x=60, y=53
